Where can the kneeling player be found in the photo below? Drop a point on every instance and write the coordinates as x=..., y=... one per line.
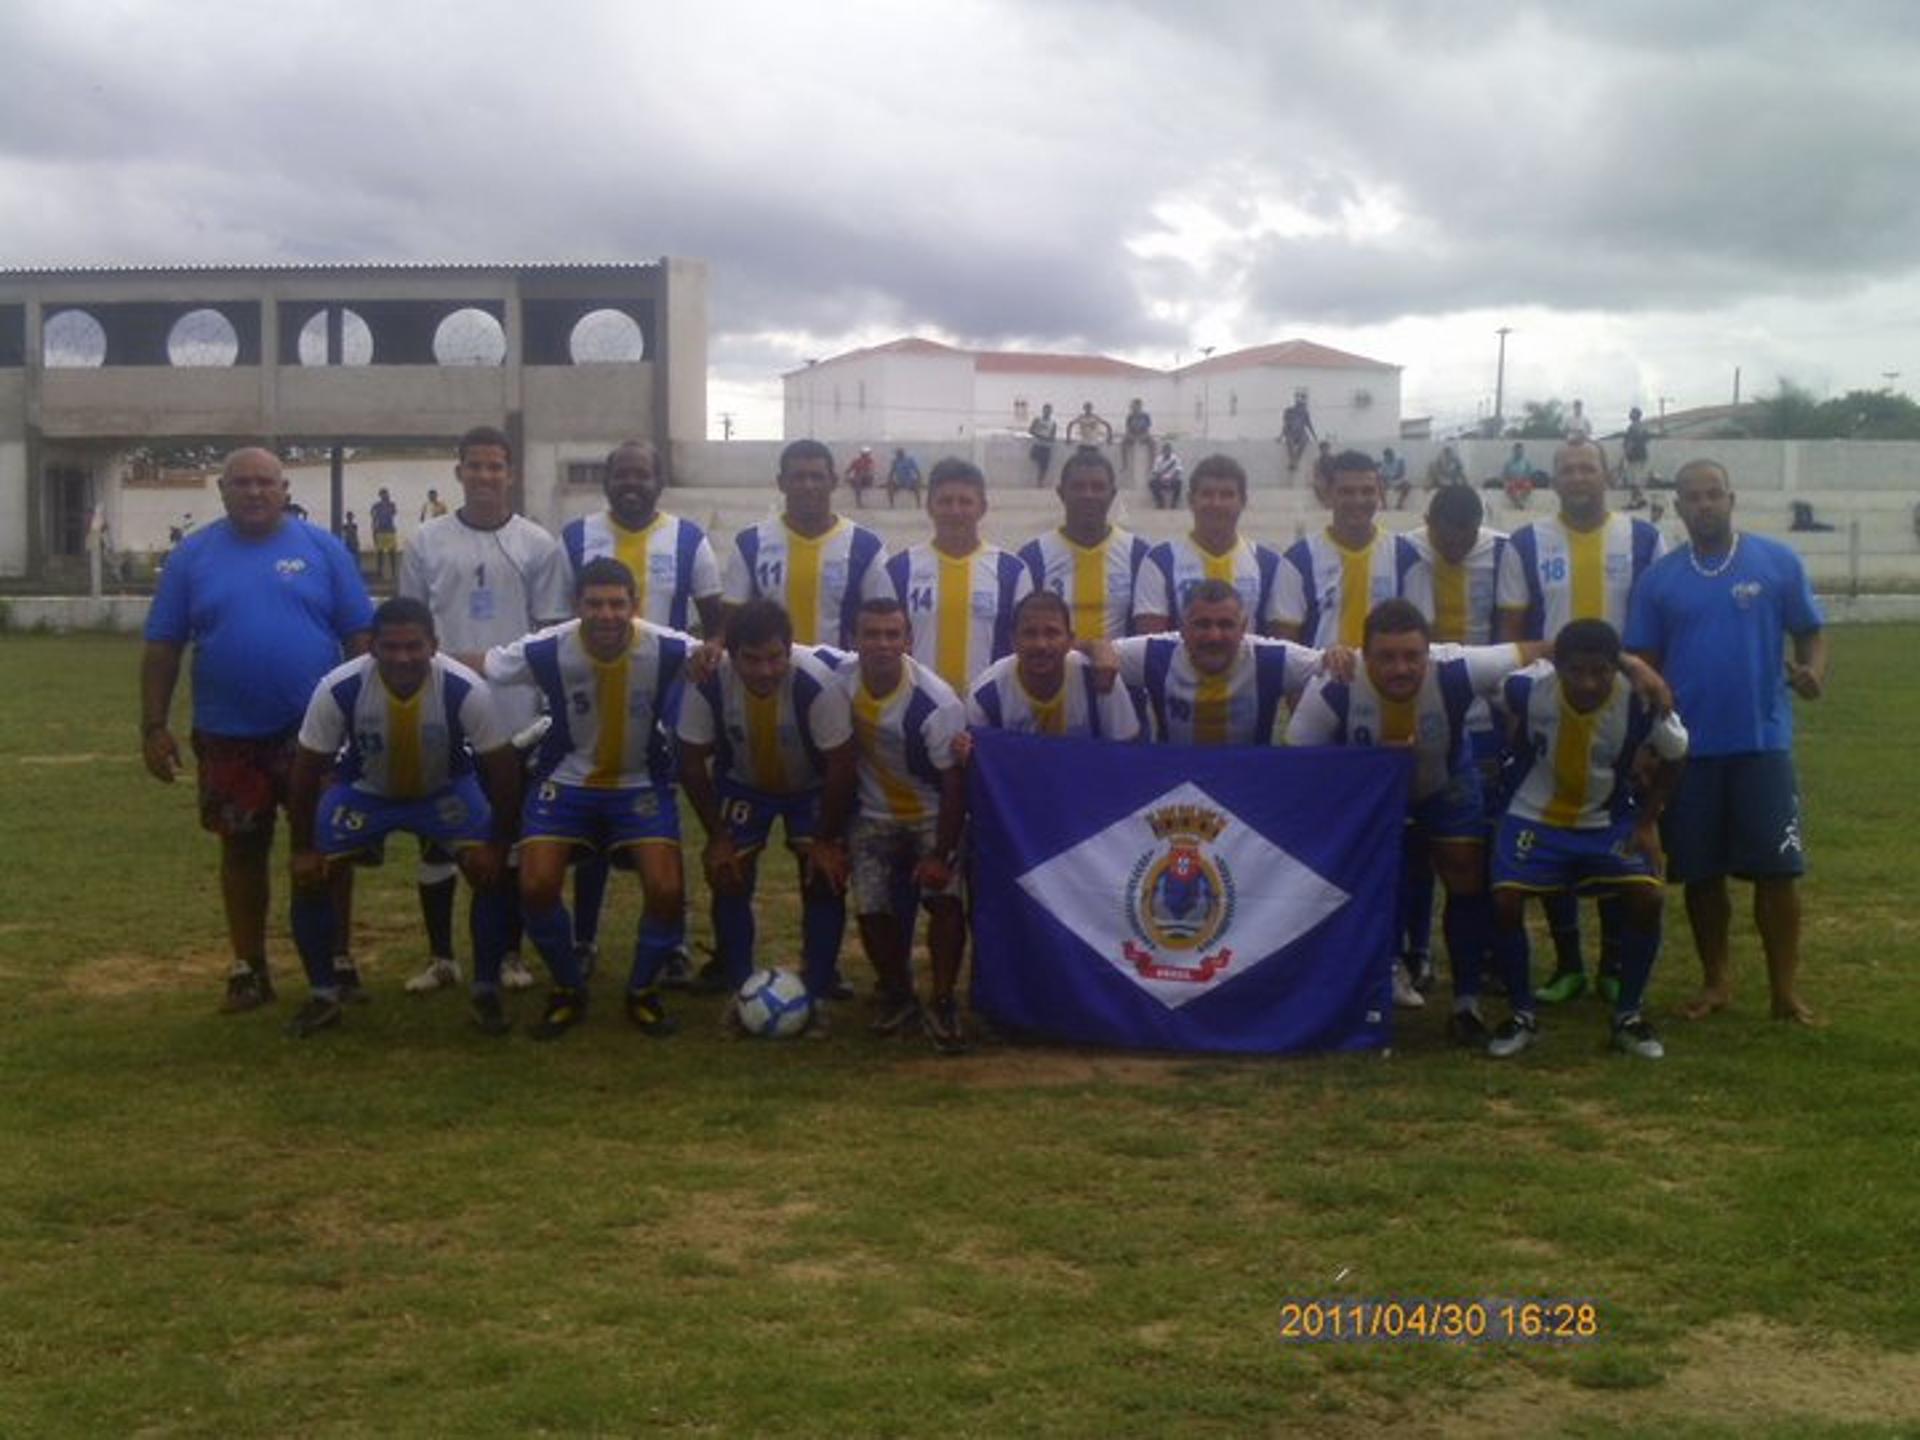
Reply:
x=753, y=741
x=411, y=722
x=605, y=784
x=911, y=798
x=1046, y=687
x=1573, y=823
x=1410, y=693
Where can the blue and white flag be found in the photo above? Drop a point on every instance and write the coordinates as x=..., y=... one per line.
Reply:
x=1184, y=897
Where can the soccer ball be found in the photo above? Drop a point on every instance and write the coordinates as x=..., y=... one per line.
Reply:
x=773, y=1004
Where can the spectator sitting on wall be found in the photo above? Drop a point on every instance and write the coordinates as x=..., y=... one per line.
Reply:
x=861, y=473
x=1169, y=475
x=1516, y=477
x=1803, y=521
x=1445, y=469
x=903, y=474
x=1087, y=428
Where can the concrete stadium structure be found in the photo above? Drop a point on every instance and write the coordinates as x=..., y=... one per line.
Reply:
x=98, y=363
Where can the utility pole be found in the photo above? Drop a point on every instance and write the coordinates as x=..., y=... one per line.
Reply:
x=726, y=424
x=1736, y=384
x=1500, y=381
x=1663, y=405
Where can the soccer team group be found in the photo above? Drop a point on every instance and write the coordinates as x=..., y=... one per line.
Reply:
x=529, y=707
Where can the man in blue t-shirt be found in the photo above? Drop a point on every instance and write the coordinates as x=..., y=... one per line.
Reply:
x=270, y=604
x=1717, y=616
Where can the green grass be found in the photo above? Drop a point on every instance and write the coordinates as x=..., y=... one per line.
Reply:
x=207, y=1229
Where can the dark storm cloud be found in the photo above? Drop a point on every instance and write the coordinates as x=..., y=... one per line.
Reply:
x=981, y=170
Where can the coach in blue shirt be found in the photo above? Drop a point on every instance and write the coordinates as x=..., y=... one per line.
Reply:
x=269, y=604
x=1716, y=616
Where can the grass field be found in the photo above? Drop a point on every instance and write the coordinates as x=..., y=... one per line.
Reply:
x=405, y=1228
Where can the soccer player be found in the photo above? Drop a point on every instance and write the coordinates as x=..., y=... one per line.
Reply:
x=1213, y=684
x=754, y=737
x=1090, y=562
x=1217, y=495
x=269, y=604
x=959, y=593
x=1046, y=687
x=1410, y=693
x=603, y=782
x=1717, y=618
x=413, y=724
x=891, y=816
x=1574, y=824
x=488, y=576
x=1330, y=582
x=1580, y=564
x=675, y=578
x=1452, y=583
x=812, y=563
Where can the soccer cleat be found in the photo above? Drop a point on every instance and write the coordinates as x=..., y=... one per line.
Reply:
x=565, y=1009
x=1405, y=997
x=353, y=990
x=649, y=1015
x=1564, y=985
x=1419, y=965
x=247, y=989
x=676, y=971
x=514, y=974
x=442, y=973
x=1632, y=1035
x=319, y=1013
x=489, y=1015
x=1466, y=1028
x=1514, y=1035
x=840, y=990
x=895, y=1015
x=586, y=955
x=942, y=1023
x=819, y=1024
x=711, y=979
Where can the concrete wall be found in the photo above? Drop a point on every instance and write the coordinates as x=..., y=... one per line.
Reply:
x=1247, y=404
x=13, y=507
x=685, y=322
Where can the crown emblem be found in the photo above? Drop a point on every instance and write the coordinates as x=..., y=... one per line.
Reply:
x=1187, y=822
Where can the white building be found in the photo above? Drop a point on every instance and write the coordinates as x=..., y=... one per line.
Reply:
x=920, y=390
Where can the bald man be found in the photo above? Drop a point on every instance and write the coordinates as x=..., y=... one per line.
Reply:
x=269, y=604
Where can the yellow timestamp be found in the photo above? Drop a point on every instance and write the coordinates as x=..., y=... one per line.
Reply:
x=1368, y=1320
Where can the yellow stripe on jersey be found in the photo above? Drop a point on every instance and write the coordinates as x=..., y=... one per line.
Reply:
x=1449, y=601
x=610, y=708
x=630, y=548
x=1216, y=567
x=1587, y=573
x=1356, y=592
x=953, y=617
x=1572, y=757
x=1211, y=700
x=404, y=763
x=803, y=585
x=769, y=771
x=868, y=708
x=1049, y=716
x=1089, y=598
x=1396, y=721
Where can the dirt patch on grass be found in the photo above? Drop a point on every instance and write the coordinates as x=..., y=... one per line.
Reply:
x=1020, y=1067
x=114, y=977
x=87, y=757
x=724, y=1222
x=1743, y=1372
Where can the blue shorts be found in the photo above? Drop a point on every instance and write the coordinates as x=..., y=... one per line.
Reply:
x=1544, y=859
x=1735, y=815
x=350, y=820
x=749, y=815
x=1453, y=812
x=603, y=820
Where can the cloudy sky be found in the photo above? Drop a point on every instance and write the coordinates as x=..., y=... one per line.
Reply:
x=1650, y=194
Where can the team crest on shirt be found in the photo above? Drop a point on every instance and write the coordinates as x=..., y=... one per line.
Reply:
x=1180, y=897
x=291, y=566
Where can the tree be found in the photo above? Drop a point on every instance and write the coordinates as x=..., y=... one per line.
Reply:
x=1540, y=420
x=1875, y=415
x=1791, y=413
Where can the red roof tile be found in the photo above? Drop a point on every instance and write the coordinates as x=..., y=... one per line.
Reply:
x=1303, y=353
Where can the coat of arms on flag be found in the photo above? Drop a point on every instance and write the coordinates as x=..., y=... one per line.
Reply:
x=1185, y=898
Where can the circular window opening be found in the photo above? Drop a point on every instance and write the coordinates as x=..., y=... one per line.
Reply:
x=469, y=337
x=356, y=339
x=607, y=337
x=202, y=337
x=73, y=339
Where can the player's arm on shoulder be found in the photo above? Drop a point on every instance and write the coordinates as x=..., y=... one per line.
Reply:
x=1313, y=721
x=504, y=664
x=1653, y=690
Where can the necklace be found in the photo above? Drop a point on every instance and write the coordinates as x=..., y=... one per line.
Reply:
x=1693, y=559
